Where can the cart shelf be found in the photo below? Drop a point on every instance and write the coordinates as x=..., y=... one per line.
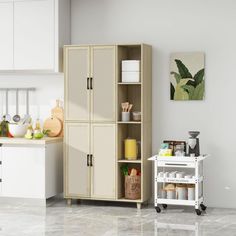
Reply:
x=179, y=180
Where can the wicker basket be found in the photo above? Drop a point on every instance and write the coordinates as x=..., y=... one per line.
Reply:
x=132, y=187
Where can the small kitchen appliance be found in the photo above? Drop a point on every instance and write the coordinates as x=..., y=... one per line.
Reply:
x=193, y=144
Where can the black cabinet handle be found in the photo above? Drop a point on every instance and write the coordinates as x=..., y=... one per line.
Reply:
x=0, y=162
x=91, y=83
x=88, y=82
x=91, y=160
x=88, y=162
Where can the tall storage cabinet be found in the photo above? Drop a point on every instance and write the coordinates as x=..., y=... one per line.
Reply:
x=90, y=122
x=94, y=132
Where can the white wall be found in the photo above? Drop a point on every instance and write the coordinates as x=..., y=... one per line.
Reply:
x=48, y=89
x=179, y=26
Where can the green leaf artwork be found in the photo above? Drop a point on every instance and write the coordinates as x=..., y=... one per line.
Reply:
x=187, y=77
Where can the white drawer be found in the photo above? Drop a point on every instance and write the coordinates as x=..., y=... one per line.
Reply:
x=130, y=65
x=0, y=171
x=130, y=77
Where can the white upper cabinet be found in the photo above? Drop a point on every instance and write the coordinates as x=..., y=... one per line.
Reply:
x=39, y=29
x=6, y=38
x=34, y=35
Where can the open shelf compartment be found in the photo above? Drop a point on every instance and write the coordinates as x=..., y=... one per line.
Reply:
x=121, y=181
x=131, y=94
x=128, y=131
x=128, y=52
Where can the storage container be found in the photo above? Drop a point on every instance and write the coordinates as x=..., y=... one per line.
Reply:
x=191, y=192
x=131, y=149
x=132, y=187
x=125, y=116
x=180, y=175
x=130, y=77
x=170, y=191
x=181, y=191
x=130, y=65
x=163, y=193
x=137, y=116
x=170, y=194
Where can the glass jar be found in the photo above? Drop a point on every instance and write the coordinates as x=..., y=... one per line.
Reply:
x=179, y=150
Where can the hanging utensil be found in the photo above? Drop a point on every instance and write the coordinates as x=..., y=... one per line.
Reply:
x=27, y=117
x=7, y=116
x=16, y=117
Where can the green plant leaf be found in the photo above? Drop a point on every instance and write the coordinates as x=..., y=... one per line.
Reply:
x=189, y=89
x=183, y=70
x=192, y=83
x=177, y=76
x=183, y=82
x=198, y=77
x=199, y=91
x=180, y=94
x=172, y=91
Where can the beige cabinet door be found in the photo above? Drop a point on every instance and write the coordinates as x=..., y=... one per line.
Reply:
x=77, y=95
x=103, y=161
x=77, y=173
x=103, y=81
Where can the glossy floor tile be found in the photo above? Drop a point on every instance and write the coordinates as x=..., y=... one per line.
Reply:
x=98, y=218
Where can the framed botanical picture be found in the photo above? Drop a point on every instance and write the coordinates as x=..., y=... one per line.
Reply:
x=187, y=76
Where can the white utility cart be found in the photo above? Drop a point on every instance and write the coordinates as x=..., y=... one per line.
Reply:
x=177, y=162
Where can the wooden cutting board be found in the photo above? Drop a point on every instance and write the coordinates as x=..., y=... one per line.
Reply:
x=58, y=112
x=54, y=125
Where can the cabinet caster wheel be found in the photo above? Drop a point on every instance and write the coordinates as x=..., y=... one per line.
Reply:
x=203, y=207
x=158, y=209
x=198, y=212
x=164, y=206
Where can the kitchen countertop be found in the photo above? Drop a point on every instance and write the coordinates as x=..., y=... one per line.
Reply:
x=25, y=141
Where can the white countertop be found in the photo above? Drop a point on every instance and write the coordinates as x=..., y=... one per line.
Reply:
x=25, y=141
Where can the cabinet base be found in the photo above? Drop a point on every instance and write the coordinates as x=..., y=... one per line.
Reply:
x=69, y=201
x=139, y=206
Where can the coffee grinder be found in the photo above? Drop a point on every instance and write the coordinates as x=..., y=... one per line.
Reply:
x=193, y=144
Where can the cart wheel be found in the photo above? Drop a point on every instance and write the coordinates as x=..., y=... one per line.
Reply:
x=158, y=209
x=164, y=206
x=203, y=207
x=198, y=212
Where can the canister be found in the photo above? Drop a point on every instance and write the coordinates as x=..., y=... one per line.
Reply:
x=191, y=192
x=131, y=149
x=179, y=175
x=170, y=191
x=170, y=194
x=181, y=190
x=163, y=193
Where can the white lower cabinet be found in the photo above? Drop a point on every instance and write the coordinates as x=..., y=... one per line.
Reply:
x=32, y=171
x=90, y=161
x=23, y=172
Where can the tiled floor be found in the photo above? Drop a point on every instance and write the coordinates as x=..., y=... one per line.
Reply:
x=95, y=219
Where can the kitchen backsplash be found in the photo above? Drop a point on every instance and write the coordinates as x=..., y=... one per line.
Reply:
x=48, y=89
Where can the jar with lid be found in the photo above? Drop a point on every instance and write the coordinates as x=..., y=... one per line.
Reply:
x=179, y=150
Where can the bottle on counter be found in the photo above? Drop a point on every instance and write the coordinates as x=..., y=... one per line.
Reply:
x=29, y=134
x=37, y=130
x=4, y=127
